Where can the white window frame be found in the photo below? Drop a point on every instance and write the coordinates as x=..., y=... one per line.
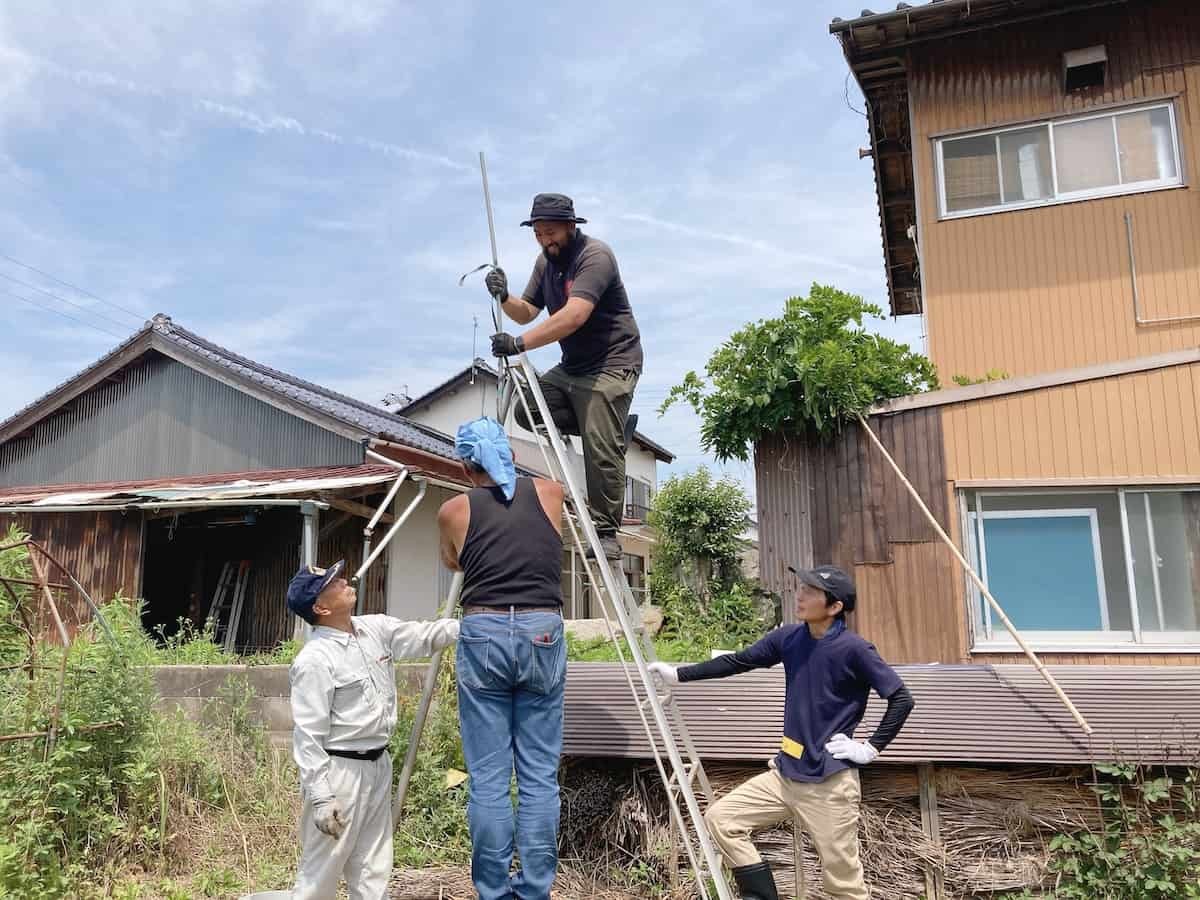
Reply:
x=1056, y=197
x=985, y=640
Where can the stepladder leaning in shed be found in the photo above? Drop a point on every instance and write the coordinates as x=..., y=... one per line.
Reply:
x=813, y=779
x=504, y=536
x=343, y=699
x=577, y=281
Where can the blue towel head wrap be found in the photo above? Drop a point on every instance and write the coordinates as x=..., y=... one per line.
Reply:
x=483, y=443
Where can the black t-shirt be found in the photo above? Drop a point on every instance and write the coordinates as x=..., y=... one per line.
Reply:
x=609, y=340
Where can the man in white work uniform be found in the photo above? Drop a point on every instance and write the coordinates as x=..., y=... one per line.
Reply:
x=343, y=688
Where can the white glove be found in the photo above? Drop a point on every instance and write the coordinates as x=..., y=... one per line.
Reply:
x=329, y=817
x=665, y=671
x=858, y=752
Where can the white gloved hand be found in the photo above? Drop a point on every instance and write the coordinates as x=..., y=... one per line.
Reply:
x=858, y=752
x=665, y=671
x=329, y=817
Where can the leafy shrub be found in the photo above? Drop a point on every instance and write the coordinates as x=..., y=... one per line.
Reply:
x=807, y=370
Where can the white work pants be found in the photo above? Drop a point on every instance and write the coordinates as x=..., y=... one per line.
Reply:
x=363, y=854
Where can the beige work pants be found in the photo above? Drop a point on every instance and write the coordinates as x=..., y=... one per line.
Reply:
x=827, y=810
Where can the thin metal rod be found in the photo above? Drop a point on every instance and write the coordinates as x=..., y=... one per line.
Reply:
x=56, y=710
x=386, y=460
x=428, y=686
x=387, y=501
x=962, y=561
x=421, y=488
x=487, y=199
x=497, y=302
x=711, y=857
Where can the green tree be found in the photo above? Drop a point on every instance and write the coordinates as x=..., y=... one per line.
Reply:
x=808, y=369
x=699, y=522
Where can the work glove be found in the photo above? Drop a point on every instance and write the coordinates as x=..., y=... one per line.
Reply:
x=507, y=345
x=329, y=817
x=665, y=671
x=497, y=283
x=858, y=752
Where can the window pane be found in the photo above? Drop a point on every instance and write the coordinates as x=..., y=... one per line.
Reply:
x=1085, y=155
x=1147, y=147
x=1143, y=573
x=1174, y=527
x=1027, y=571
x=971, y=174
x=1025, y=162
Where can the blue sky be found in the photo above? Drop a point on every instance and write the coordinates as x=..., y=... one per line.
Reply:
x=298, y=181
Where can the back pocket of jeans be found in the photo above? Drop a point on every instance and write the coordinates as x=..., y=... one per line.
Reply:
x=548, y=662
x=471, y=662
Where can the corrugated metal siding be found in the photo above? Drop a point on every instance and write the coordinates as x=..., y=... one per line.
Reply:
x=839, y=502
x=1140, y=425
x=103, y=550
x=1045, y=289
x=166, y=419
x=1143, y=714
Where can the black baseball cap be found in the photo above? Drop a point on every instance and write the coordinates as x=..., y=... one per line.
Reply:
x=833, y=581
x=553, y=208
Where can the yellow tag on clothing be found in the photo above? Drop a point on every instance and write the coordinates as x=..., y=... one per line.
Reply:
x=791, y=748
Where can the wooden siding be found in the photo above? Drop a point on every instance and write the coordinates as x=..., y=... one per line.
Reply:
x=103, y=550
x=837, y=502
x=1044, y=289
x=1143, y=425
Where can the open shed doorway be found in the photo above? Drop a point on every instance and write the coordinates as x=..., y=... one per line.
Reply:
x=187, y=554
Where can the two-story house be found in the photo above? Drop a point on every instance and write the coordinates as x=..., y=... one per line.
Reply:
x=471, y=393
x=1034, y=164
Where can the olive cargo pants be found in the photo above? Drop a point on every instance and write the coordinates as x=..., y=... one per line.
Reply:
x=594, y=407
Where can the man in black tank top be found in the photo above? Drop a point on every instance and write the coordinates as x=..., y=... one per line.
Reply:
x=504, y=536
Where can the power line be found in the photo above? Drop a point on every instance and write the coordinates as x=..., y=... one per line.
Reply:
x=73, y=287
x=63, y=314
x=34, y=287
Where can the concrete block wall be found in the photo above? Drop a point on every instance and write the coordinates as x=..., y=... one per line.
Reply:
x=192, y=688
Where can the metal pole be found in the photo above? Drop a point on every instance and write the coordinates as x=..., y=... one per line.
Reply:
x=962, y=560
x=427, y=689
x=421, y=488
x=370, y=529
x=498, y=305
x=309, y=513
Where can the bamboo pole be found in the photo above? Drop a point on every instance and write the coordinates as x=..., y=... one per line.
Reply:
x=987, y=595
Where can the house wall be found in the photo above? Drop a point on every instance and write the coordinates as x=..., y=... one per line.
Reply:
x=836, y=502
x=103, y=550
x=167, y=419
x=1142, y=425
x=1038, y=290
x=417, y=583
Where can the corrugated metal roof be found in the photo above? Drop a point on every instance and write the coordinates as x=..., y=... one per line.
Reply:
x=226, y=484
x=981, y=714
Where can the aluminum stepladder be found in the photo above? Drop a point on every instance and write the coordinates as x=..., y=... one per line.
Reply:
x=517, y=385
x=225, y=612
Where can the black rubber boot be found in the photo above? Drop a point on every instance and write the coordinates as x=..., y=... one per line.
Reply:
x=630, y=427
x=756, y=882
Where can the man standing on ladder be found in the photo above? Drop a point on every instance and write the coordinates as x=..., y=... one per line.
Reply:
x=814, y=777
x=343, y=695
x=504, y=535
x=589, y=393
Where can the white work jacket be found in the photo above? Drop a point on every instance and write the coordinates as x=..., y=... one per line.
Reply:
x=343, y=689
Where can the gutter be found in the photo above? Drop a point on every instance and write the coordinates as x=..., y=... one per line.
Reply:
x=158, y=504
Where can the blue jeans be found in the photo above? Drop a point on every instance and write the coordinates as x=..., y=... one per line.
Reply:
x=511, y=670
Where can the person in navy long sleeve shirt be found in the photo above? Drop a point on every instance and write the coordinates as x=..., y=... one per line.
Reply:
x=830, y=671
